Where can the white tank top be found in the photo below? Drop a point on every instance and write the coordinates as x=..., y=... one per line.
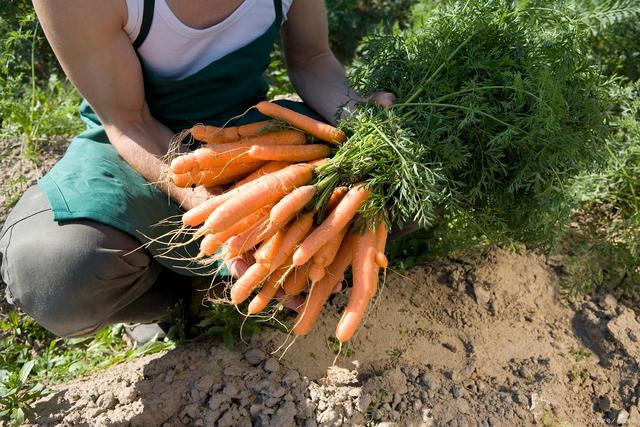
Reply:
x=172, y=50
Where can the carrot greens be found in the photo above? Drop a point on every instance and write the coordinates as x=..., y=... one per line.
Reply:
x=498, y=108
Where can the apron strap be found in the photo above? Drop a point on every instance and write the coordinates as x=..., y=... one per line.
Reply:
x=147, y=19
x=278, y=5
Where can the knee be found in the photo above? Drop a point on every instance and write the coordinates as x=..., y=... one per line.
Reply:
x=72, y=279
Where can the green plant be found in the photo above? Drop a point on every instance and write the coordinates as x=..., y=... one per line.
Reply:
x=17, y=391
x=351, y=20
x=604, y=251
x=31, y=359
x=496, y=114
x=35, y=103
x=615, y=34
x=225, y=321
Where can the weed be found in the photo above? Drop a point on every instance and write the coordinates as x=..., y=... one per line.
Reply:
x=17, y=391
x=394, y=353
x=580, y=354
x=31, y=359
x=334, y=345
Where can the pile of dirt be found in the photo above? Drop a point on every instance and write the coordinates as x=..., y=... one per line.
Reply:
x=477, y=341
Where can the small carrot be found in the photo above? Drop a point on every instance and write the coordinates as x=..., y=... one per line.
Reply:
x=266, y=169
x=365, y=284
x=268, y=250
x=256, y=128
x=218, y=176
x=333, y=224
x=292, y=153
x=261, y=192
x=249, y=238
x=328, y=251
x=269, y=289
x=259, y=271
x=214, y=134
x=214, y=155
x=337, y=195
x=297, y=281
x=200, y=213
x=293, y=235
x=320, y=292
x=311, y=126
x=229, y=134
x=381, y=242
x=316, y=272
x=324, y=257
x=250, y=280
x=291, y=204
x=245, y=223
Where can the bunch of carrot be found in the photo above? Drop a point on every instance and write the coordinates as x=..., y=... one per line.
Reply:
x=268, y=216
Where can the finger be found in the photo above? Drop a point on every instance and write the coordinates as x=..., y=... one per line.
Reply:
x=384, y=99
x=292, y=303
x=237, y=266
x=337, y=288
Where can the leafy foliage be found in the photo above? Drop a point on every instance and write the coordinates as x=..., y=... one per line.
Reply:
x=615, y=34
x=31, y=358
x=605, y=249
x=496, y=113
x=36, y=102
x=351, y=20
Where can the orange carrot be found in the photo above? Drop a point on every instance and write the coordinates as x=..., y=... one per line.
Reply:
x=269, y=289
x=293, y=235
x=365, y=284
x=269, y=249
x=324, y=257
x=259, y=271
x=245, y=223
x=250, y=280
x=328, y=251
x=182, y=180
x=249, y=238
x=266, y=169
x=261, y=192
x=320, y=292
x=381, y=260
x=291, y=204
x=214, y=155
x=316, y=272
x=297, y=281
x=256, y=128
x=214, y=134
x=381, y=242
x=229, y=134
x=292, y=153
x=311, y=126
x=227, y=174
x=333, y=224
x=200, y=213
x=337, y=195
x=218, y=176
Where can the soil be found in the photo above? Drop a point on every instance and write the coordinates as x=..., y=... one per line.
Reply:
x=484, y=339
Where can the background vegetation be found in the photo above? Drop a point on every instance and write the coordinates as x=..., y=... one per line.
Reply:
x=37, y=105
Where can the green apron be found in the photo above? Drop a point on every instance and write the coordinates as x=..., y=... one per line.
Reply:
x=93, y=182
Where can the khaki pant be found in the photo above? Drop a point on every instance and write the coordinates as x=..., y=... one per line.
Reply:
x=76, y=277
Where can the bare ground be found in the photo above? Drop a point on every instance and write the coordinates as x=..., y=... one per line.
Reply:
x=482, y=340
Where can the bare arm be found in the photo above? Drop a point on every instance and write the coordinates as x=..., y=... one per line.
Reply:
x=96, y=54
x=315, y=72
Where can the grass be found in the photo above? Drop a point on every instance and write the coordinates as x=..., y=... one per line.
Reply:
x=32, y=360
